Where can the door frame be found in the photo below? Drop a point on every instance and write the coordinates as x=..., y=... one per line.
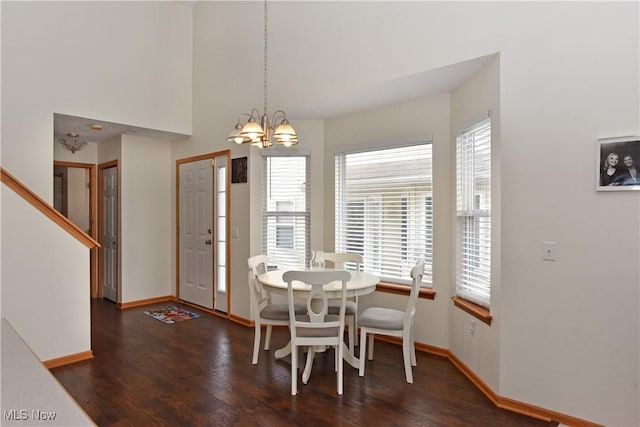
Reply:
x=93, y=254
x=100, y=256
x=210, y=156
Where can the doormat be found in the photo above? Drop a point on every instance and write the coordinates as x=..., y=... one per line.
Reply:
x=171, y=315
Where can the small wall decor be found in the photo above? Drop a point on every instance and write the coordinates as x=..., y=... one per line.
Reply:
x=239, y=170
x=618, y=164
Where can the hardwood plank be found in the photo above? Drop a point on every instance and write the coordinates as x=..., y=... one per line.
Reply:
x=199, y=372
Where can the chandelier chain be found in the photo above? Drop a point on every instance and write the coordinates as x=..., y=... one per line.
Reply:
x=257, y=129
x=265, y=57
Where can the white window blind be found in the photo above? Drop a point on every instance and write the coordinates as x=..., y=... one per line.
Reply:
x=285, y=210
x=473, y=170
x=384, y=209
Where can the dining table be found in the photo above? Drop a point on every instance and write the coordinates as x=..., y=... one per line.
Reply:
x=361, y=283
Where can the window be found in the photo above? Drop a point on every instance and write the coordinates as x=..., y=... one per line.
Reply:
x=384, y=209
x=473, y=190
x=285, y=208
x=285, y=235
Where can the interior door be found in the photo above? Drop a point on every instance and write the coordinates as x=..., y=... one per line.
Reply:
x=110, y=233
x=196, y=232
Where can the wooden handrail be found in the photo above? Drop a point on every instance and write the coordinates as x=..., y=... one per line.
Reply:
x=38, y=203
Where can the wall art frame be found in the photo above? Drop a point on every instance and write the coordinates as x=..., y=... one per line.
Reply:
x=618, y=163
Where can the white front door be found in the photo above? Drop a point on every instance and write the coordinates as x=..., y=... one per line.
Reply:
x=110, y=233
x=196, y=233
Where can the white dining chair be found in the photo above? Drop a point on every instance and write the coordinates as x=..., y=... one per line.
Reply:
x=338, y=260
x=317, y=327
x=397, y=323
x=265, y=311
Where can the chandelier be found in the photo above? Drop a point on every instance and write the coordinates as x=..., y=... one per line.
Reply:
x=72, y=144
x=256, y=129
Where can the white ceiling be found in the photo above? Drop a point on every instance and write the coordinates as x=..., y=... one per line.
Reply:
x=415, y=86
x=64, y=124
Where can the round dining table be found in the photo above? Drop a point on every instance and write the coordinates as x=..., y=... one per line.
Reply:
x=361, y=283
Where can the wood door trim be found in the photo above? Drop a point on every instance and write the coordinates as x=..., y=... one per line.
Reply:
x=93, y=256
x=208, y=156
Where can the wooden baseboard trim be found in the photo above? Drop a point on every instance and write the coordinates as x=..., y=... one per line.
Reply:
x=133, y=304
x=205, y=309
x=68, y=360
x=242, y=320
x=481, y=385
x=425, y=348
x=542, y=413
x=501, y=402
x=515, y=405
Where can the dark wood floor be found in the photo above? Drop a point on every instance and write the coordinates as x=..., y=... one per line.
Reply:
x=199, y=373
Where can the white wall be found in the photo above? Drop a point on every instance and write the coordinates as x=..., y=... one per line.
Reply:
x=124, y=62
x=470, y=103
x=45, y=281
x=567, y=76
x=145, y=203
x=89, y=154
x=569, y=333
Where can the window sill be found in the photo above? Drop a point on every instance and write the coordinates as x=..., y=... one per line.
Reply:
x=475, y=310
x=394, y=288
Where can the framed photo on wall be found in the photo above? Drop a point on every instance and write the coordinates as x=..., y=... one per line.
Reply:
x=239, y=170
x=618, y=164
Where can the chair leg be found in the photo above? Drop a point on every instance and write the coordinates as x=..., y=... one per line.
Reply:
x=340, y=351
x=363, y=347
x=413, y=349
x=355, y=323
x=406, y=354
x=371, y=336
x=267, y=338
x=294, y=370
x=256, y=343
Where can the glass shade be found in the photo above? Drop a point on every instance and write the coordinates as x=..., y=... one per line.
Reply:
x=285, y=132
x=252, y=130
x=236, y=137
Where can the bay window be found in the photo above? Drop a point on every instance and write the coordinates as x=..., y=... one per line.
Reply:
x=384, y=209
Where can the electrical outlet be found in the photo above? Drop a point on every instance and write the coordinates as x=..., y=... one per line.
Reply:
x=472, y=326
x=549, y=251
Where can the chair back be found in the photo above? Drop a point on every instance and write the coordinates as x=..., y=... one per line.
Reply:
x=257, y=266
x=317, y=301
x=416, y=274
x=339, y=259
